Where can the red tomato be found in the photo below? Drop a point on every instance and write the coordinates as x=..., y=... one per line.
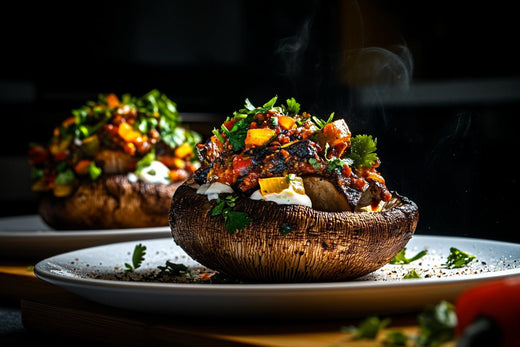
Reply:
x=498, y=301
x=37, y=154
x=229, y=124
x=241, y=165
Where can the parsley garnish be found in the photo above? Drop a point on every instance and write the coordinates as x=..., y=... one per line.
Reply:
x=137, y=258
x=335, y=163
x=94, y=171
x=437, y=324
x=315, y=163
x=436, y=327
x=65, y=177
x=237, y=135
x=285, y=229
x=401, y=259
x=320, y=123
x=363, y=149
x=395, y=338
x=411, y=274
x=293, y=108
x=234, y=220
x=368, y=328
x=458, y=258
x=172, y=269
x=145, y=161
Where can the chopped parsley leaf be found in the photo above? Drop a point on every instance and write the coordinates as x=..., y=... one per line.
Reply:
x=401, y=259
x=437, y=324
x=234, y=220
x=363, y=151
x=320, y=123
x=412, y=274
x=458, y=258
x=293, y=108
x=368, y=328
x=137, y=258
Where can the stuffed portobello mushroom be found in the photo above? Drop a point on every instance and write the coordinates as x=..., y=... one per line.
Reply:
x=283, y=196
x=115, y=163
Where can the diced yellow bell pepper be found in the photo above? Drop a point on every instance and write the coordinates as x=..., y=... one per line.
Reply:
x=128, y=133
x=258, y=137
x=286, y=122
x=183, y=150
x=278, y=184
x=61, y=190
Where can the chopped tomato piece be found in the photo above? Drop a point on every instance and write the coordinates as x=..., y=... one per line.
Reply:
x=81, y=168
x=37, y=155
x=229, y=124
x=112, y=100
x=61, y=156
x=241, y=165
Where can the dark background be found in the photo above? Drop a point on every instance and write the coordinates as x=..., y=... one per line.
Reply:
x=436, y=82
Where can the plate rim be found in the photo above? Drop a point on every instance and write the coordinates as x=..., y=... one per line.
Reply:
x=57, y=279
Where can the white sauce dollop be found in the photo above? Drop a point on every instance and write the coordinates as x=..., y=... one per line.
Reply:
x=212, y=190
x=156, y=172
x=285, y=197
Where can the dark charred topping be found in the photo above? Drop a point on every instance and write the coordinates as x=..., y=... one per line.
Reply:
x=274, y=141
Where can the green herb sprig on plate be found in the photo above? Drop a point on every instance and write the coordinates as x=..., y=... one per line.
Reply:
x=458, y=258
x=137, y=258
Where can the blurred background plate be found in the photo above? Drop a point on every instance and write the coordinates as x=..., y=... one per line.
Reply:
x=29, y=237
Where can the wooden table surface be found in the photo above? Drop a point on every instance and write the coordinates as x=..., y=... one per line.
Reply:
x=50, y=310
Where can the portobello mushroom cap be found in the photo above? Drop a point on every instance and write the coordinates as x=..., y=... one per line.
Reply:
x=110, y=202
x=321, y=246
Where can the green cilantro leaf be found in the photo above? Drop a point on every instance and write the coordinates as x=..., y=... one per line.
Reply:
x=411, y=275
x=234, y=220
x=335, y=163
x=320, y=123
x=65, y=177
x=401, y=259
x=237, y=135
x=285, y=229
x=395, y=338
x=363, y=149
x=172, y=269
x=270, y=104
x=458, y=258
x=437, y=324
x=368, y=328
x=145, y=162
x=293, y=108
x=94, y=171
x=137, y=258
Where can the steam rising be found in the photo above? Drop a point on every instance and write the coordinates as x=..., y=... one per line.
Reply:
x=292, y=50
x=376, y=66
x=332, y=66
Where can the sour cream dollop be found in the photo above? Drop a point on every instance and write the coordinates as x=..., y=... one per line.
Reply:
x=156, y=172
x=285, y=197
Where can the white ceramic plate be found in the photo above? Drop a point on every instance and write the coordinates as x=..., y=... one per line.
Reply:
x=382, y=292
x=29, y=237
